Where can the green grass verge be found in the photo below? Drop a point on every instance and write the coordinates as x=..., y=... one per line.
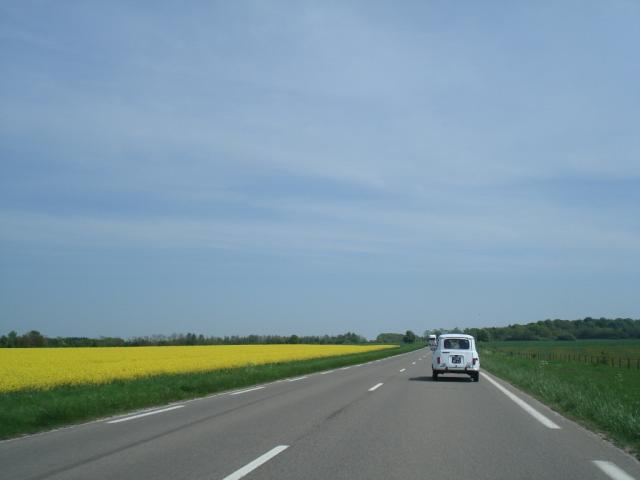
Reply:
x=34, y=411
x=603, y=398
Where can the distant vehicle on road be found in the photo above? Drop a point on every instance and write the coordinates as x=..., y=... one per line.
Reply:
x=456, y=353
x=433, y=342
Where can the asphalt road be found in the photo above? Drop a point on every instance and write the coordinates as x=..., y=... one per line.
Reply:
x=380, y=420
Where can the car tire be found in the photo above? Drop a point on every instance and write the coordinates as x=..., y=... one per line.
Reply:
x=476, y=377
x=434, y=376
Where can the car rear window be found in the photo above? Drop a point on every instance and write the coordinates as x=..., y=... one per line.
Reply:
x=456, y=343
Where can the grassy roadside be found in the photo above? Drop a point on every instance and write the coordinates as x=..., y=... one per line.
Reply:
x=602, y=398
x=34, y=411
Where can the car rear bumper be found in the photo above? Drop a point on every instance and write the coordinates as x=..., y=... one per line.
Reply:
x=456, y=370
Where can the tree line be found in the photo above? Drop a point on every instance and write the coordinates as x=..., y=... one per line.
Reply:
x=408, y=337
x=33, y=339
x=587, y=328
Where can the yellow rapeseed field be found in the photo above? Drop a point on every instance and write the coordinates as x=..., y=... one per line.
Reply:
x=44, y=368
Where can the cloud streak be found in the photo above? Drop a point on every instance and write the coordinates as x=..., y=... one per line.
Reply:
x=415, y=142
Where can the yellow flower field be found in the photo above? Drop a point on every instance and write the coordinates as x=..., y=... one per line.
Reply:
x=44, y=368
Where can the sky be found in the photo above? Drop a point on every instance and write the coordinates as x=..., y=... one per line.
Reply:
x=238, y=167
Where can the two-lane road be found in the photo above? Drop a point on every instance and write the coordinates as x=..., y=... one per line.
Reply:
x=380, y=420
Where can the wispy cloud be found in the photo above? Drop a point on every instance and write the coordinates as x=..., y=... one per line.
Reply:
x=422, y=138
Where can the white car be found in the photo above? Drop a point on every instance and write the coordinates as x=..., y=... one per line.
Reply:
x=456, y=353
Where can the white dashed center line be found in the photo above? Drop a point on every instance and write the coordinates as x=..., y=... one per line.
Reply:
x=375, y=387
x=146, y=414
x=403, y=370
x=250, y=467
x=247, y=390
x=612, y=470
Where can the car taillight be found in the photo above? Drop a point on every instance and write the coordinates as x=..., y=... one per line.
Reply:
x=438, y=360
x=475, y=360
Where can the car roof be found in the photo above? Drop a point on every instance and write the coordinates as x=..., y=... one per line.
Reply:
x=455, y=335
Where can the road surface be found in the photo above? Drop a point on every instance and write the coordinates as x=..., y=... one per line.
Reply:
x=380, y=420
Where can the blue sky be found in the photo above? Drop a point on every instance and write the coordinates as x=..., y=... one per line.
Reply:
x=317, y=167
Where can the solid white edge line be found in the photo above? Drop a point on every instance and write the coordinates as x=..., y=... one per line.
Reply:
x=403, y=370
x=612, y=470
x=146, y=414
x=375, y=387
x=524, y=405
x=328, y=371
x=250, y=467
x=246, y=390
x=296, y=379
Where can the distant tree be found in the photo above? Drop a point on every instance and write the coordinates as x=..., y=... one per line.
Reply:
x=566, y=337
x=482, y=335
x=110, y=342
x=32, y=339
x=12, y=339
x=293, y=339
x=350, y=337
x=409, y=337
x=390, y=338
x=541, y=330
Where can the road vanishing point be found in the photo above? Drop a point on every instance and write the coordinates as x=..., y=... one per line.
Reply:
x=384, y=419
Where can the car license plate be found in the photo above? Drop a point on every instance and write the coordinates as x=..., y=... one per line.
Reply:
x=456, y=359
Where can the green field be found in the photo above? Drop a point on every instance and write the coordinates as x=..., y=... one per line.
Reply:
x=33, y=411
x=609, y=349
x=578, y=379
